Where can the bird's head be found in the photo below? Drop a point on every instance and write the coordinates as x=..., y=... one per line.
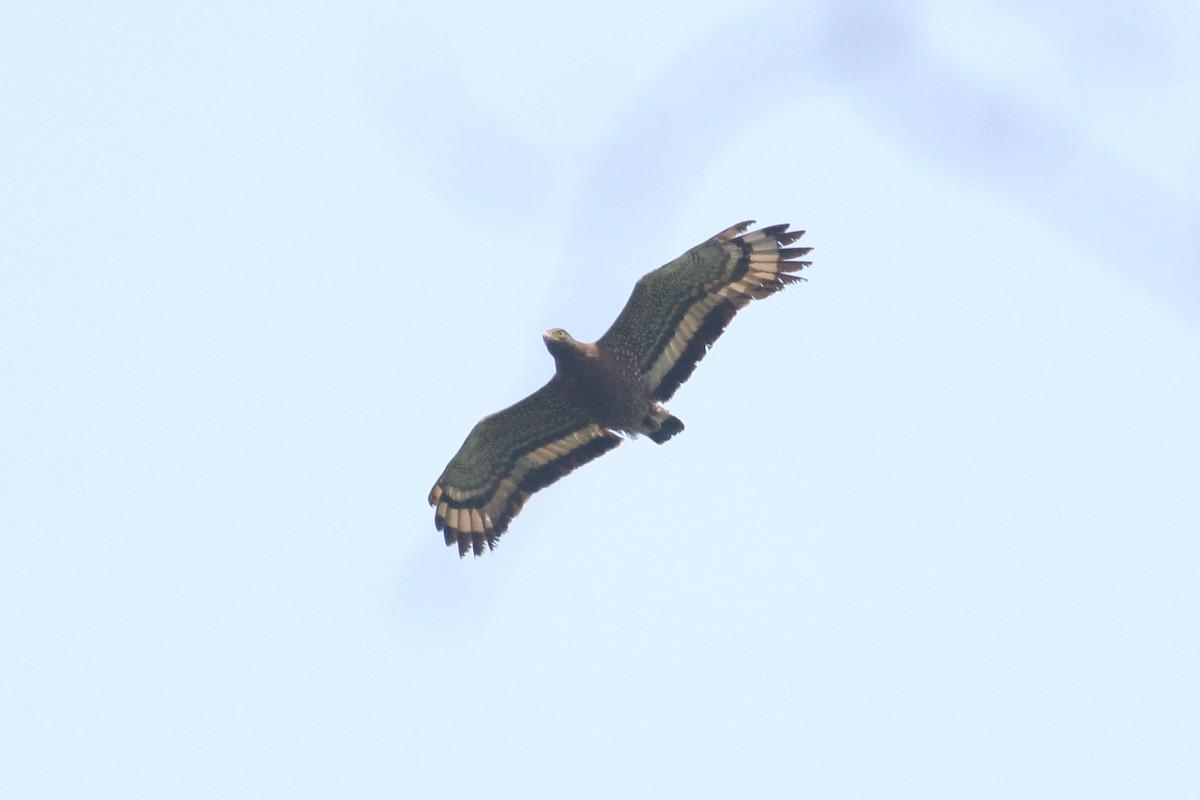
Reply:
x=560, y=343
x=557, y=335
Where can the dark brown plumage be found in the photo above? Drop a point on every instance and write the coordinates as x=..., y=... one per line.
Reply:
x=612, y=386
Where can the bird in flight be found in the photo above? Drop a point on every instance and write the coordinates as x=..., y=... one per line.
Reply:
x=612, y=386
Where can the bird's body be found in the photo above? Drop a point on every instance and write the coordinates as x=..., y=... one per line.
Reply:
x=609, y=387
x=607, y=382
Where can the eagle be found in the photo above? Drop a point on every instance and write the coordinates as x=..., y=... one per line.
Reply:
x=612, y=387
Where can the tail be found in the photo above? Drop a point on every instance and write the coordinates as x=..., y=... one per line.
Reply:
x=661, y=425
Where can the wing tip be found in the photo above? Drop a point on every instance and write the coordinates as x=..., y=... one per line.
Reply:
x=471, y=541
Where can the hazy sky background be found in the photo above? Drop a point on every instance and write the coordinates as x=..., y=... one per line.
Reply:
x=932, y=530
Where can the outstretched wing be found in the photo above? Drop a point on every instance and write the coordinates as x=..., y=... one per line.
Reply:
x=507, y=457
x=677, y=311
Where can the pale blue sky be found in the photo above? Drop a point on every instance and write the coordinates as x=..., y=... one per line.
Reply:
x=931, y=530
